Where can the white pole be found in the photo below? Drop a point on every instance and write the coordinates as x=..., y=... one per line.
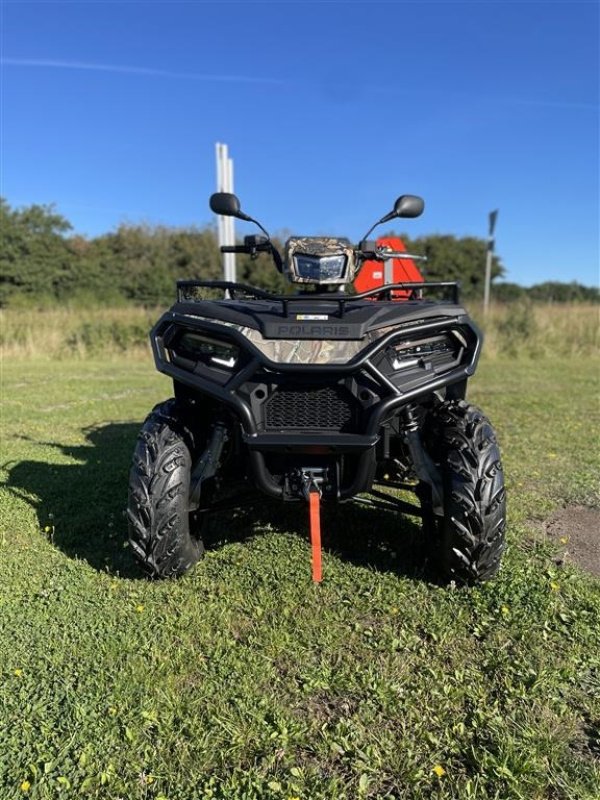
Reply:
x=225, y=225
x=220, y=188
x=230, y=220
x=493, y=216
x=488, y=279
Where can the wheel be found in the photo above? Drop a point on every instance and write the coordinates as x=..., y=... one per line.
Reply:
x=163, y=535
x=469, y=539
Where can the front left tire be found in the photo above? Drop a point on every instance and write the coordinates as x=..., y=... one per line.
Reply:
x=164, y=537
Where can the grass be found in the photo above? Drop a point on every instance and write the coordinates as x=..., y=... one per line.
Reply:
x=541, y=330
x=243, y=681
x=68, y=332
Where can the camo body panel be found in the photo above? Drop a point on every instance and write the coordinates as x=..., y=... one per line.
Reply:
x=306, y=351
x=318, y=246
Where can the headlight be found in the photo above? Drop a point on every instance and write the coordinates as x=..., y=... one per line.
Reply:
x=209, y=351
x=433, y=351
x=320, y=269
x=319, y=260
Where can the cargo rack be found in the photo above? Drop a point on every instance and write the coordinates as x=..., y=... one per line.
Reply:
x=231, y=288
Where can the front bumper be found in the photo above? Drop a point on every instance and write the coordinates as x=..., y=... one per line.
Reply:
x=253, y=392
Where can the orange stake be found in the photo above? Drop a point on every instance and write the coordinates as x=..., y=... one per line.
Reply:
x=314, y=501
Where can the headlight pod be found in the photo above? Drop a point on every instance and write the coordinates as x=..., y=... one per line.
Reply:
x=319, y=260
x=434, y=352
x=200, y=348
x=320, y=269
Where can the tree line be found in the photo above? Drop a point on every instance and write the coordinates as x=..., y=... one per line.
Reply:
x=43, y=262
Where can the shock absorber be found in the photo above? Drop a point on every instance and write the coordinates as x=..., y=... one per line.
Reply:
x=426, y=470
x=411, y=421
x=207, y=465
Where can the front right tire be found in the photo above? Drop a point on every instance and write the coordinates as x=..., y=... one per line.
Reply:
x=164, y=537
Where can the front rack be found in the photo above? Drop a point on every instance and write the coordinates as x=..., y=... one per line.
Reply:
x=243, y=289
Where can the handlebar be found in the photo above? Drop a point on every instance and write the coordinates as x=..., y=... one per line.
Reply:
x=238, y=248
x=252, y=248
x=380, y=255
x=385, y=255
x=394, y=254
x=248, y=249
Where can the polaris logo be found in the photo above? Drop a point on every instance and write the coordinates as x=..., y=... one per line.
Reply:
x=318, y=331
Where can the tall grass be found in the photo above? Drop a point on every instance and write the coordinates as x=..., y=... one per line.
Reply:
x=540, y=330
x=59, y=333
x=525, y=330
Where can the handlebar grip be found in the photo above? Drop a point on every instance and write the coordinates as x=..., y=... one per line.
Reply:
x=235, y=248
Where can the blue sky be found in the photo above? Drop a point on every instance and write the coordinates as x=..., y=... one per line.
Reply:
x=111, y=110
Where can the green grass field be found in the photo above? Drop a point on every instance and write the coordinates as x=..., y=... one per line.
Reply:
x=244, y=680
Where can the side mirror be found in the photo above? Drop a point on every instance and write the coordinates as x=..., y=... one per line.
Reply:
x=227, y=205
x=409, y=205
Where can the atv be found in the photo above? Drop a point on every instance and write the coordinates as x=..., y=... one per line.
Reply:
x=323, y=395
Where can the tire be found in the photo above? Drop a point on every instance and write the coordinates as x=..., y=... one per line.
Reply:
x=470, y=539
x=164, y=537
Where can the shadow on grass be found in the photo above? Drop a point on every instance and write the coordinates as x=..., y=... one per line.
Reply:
x=372, y=538
x=84, y=503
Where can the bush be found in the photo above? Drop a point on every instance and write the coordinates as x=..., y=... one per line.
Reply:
x=98, y=336
x=517, y=328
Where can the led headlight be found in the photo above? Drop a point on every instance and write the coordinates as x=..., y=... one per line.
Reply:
x=319, y=260
x=320, y=269
x=198, y=347
x=435, y=351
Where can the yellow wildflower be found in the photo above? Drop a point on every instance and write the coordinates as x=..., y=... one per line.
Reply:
x=554, y=586
x=139, y=608
x=18, y=672
x=439, y=770
x=25, y=786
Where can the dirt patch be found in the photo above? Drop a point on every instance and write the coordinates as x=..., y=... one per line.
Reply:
x=325, y=708
x=576, y=529
x=586, y=743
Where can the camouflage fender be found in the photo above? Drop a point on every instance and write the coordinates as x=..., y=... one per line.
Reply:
x=306, y=351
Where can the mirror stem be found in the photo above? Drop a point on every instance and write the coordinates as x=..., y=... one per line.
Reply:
x=372, y=228
x=256, y=222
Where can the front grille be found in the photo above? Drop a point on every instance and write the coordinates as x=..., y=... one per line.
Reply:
x=323, y=408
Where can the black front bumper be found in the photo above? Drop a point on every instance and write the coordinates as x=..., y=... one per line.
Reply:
x=360, y=378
